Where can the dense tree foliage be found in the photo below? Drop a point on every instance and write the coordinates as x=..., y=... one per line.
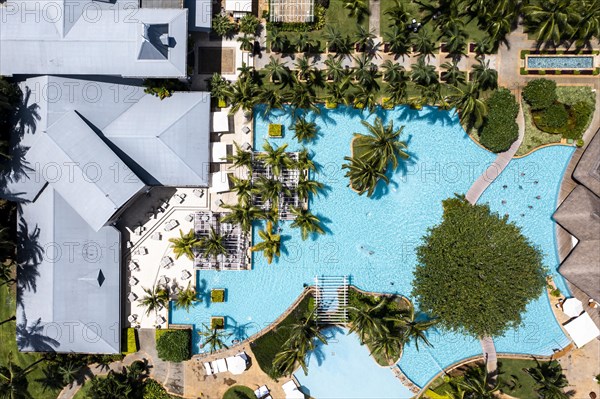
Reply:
x=540, y=93
x=174, y=345
x=500, y=129
x=476, y=271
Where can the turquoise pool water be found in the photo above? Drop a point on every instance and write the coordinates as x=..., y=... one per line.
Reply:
x=560, y=62
x=373, y=239
x=343, y=369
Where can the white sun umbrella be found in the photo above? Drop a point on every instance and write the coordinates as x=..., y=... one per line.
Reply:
x=572, y=307
x=236, y=364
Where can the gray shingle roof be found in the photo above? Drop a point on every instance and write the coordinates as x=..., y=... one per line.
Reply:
x=72, y=286
x=89, y=38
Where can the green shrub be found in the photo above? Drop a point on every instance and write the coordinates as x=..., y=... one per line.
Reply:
x=249, y=24
x=330, y=104
x=552, y=118
x=541, y=72
x=524, y=53
x=540, y=93
x=577, y=72
x=153, y=390
x=130, y=341
x=239, y=392
x=579, y=143
x=217, y=323
x=275, y=130
x=557, y=72
x=163, y=88
x=500, y=129
x=174, y=345
x=217, y=295
x=523, y=71
x=222, y=26
x=581, y=113
x=221, y=103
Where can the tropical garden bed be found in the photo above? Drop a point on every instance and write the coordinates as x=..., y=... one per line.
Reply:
x=568, y=95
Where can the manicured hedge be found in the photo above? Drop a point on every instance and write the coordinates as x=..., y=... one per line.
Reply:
x=174, y=345
x=275, y=130
x=130, y=341
x=217, y=295
x=540, y=93
x=500, y=129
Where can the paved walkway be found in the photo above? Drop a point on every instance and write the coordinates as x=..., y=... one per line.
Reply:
x=491, y=359
x=501, y=161
x=374, y=17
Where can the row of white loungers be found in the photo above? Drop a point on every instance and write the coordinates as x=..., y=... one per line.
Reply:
x=234, y=364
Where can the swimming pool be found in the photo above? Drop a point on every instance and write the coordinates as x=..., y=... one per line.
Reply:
x=344, y=369
x=560, y=62
x=373, y=239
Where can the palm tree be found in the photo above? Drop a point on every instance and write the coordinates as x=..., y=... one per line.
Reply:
x=423, y=74
x=498, y=25
x=335, y=70
x=271, y=244
x=303, y=96
x=549, y=380
x=155, y=298
x=336, y=91
x=6, y=272
x=588, y=23
x=186, y=298
x=286, y=361
x=306, y=222
x=413, y=328
x=271, y=98
x=244, y=93
x=278, y=42
x=246, y=42
x=13, y=379
x=432, y=95
x=304, y=130
x=214, y=338
x=472, y=108
x=382, y=144
x=275, y=157
x=276, y=71
x=365, y=322
x=243, y=189
x=365, y=97
x=304, y=161
x=477, y=384
x=483, y=46
x=398, y=14
x=302, y=334
x=392, y=71
x=335, y=41
x=396, y=91
x=398, y=41
x=306, y=187
x=456, y=37
x=212, y=245
x=484, y=76
x=243, y=214
x=69, y=372
x=387, y=344
x=423, y=43
x=365, y=72
x=219, y=87
x=363, y=176
x=363, y=39
x=550, y=20
x=304, y=43
x=357, y=8
x=241, y=158
x=185, y=244
x=452, y=74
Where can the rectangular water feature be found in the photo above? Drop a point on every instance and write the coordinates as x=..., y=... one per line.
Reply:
x=560, y=62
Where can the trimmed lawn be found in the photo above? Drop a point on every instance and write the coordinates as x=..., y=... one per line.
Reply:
x=516, y=382
x=9, y=345
x=239, y=392
x=83, y=392
x=337, y=17
x=413, y=9
x=568, y=95
x=266, y=347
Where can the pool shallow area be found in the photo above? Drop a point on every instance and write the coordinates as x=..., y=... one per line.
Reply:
x=560, y=62
x=344, y=369
x=373, y=240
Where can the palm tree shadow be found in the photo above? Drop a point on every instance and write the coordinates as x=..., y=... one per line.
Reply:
x=30, y=255
x=26, y=115
x=324, y=222
x=203, y=292
x=31, y=336
x=241, y=332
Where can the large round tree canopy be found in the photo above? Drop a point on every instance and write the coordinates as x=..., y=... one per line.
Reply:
x=476, y=272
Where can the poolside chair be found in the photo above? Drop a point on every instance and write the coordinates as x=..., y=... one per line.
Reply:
x=262, y=392
x=208, y=369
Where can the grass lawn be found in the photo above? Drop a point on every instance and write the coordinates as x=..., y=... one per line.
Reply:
x=337, y=17
x=8, y=344
x=534, y=137
x=239, y=392
x=413, y=9
x=83, y=392
x=266, y=347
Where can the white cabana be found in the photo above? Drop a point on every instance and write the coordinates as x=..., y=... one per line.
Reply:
x=582, y=330
x=218, y=152
x=220, y=122
x=221, y=365
x=572, y=307
x=291, y=390
x=261, y=392
x=219, y=182
x=236, y=364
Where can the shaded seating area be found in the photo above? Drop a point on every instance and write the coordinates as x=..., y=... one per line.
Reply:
x=292, y=390
x=234, y=364
x=262, y=393
x=234, y=240
x=582, y=330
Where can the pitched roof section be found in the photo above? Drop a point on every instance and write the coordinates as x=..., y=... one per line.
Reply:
x=85, y=37
x=75, y=161
x=168, y=139
x=60, y=289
